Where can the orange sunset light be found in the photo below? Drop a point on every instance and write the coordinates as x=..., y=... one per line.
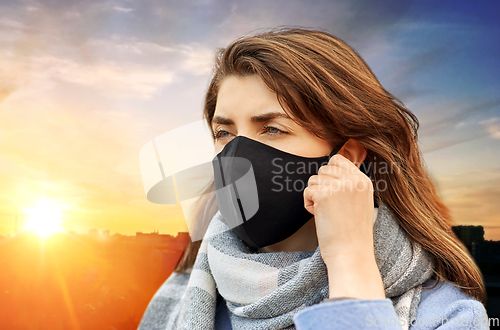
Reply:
x=44, y=219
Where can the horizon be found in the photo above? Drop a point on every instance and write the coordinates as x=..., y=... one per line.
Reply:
x=108, y=233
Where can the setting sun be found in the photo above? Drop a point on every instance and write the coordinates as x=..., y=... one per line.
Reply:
x=45, y=219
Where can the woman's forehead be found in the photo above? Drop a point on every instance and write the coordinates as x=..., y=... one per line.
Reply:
x=246, y=96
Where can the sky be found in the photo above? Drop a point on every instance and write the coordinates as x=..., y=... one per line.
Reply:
x=84, y=85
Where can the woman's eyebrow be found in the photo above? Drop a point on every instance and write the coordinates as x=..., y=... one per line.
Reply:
x=255, y=119
x=222, y=120
x=268, y=116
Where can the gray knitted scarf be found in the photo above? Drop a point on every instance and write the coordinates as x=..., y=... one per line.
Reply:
x=265, y=290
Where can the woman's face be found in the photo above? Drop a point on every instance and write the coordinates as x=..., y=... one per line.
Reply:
x=246, y=107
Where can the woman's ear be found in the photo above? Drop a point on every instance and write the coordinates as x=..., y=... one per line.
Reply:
x=354, y=151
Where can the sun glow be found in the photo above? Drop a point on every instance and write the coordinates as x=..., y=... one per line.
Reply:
x=45, y=219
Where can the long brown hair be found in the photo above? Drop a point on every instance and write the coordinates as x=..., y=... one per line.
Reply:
x=330, y=90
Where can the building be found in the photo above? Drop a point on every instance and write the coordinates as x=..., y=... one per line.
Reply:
x=487, y=252
x=163, y=241
x=469, y=235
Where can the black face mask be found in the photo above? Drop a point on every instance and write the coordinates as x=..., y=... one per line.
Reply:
x=259, y=190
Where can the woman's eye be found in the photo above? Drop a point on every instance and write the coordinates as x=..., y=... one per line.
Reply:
x=221, y=134
x=273, y=130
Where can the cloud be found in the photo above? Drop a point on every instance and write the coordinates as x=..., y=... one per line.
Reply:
x=355, y=22
x=492, y=126
x=119, y=80
x=31, y=8
x=198, y=60
x=449, y=123
x=111, y=78
x=123, y=9
x=192, y=58
x=141, y=67
x=472, y=198
x=11, y=24
x=115, y=66
x=127, y=48
x=72, y=15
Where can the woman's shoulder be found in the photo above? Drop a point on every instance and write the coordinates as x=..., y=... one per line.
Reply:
x=443, y=291
x=445, y=304
x=164, y=300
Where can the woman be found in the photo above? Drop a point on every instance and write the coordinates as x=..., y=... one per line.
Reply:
x=328, y=258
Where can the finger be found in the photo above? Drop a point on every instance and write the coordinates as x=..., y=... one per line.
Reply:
x=335, y=170
x=331, y=171
x=318, y=180
x=342, y=162
x=315, y=180
x=317, y=193
x=308, y=199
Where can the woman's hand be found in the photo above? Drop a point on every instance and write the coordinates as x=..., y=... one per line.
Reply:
x=341, y=199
